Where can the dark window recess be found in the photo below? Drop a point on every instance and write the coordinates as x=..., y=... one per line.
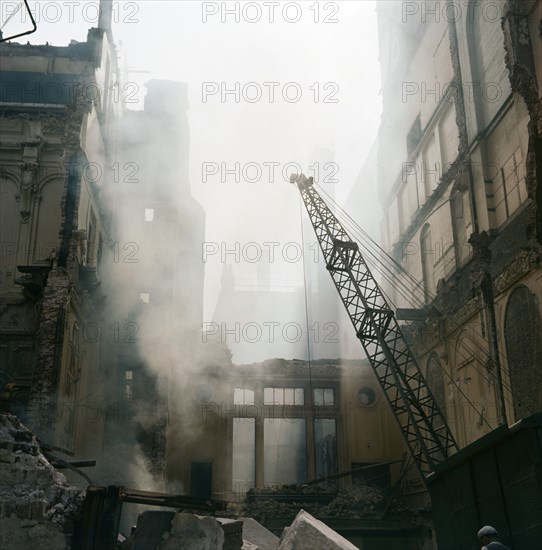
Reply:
x=128, y=384
x=74, y=177
x=377, y=475
x=414, y=136
x=201, y=479
x=366, y=396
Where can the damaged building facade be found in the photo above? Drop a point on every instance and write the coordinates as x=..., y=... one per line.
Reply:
x=462, y=201
x=101, y=242
x=58, y=135
x=280, y=435
x=284, y=422
x=101, y=294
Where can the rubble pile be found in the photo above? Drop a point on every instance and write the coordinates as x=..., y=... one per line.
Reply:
x=38, y=509
x=286, y=492
x=357, y=502
x=361, y=502
x=308, y=533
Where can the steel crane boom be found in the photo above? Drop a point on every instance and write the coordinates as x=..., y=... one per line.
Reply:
x=422, y=424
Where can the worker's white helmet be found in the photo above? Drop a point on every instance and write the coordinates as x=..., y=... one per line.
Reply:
x=487, y=531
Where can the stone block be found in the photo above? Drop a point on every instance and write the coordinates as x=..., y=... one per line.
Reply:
x=169, y=531
x=151, y=528
x=192, y=532
x=233, y=533
x=258, y=536
x=308, y=533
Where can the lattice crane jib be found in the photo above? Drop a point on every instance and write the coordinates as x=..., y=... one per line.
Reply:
x=422, y=424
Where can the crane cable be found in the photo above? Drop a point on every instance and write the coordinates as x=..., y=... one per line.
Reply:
x=409, y=295
x=13, y=13
x=421, y=304
x=311, y=396
x=467, y=399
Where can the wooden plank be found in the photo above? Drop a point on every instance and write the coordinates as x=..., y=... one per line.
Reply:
x=110, y=519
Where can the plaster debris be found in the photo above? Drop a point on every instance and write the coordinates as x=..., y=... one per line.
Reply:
x=38, y=508
x=359, y=502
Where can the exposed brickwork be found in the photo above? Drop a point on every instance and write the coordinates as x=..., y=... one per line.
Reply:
x=42, y=406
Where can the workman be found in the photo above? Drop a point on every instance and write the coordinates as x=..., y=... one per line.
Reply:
x=489, y=538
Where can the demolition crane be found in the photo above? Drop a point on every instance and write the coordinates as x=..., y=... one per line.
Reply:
x=422, y=423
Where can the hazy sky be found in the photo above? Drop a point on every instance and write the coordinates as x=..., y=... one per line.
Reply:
x=318, y=59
